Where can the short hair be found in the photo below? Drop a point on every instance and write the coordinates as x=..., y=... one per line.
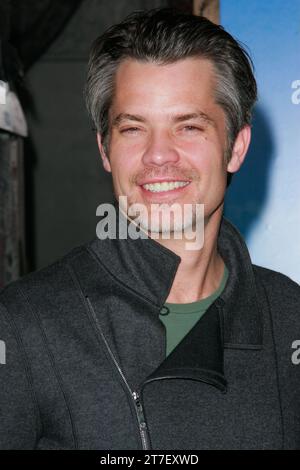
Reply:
x=165, y=36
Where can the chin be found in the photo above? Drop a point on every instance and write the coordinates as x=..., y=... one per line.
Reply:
x=162, y=223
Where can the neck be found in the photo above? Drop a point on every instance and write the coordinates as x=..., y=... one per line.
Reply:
x=200, y=271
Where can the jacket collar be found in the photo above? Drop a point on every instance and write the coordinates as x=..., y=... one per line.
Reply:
x=143, y=265
x=234, y=320
x=148, y=269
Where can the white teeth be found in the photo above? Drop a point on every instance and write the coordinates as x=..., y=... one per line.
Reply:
x=165, y=186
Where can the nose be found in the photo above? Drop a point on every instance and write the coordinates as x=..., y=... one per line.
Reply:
x=160, y=150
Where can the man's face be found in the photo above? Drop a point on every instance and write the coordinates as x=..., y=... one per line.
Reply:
x=168, y=136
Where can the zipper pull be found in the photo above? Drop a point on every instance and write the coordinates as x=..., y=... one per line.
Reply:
x=142, y=422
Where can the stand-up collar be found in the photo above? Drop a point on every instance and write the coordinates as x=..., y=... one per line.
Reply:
x=143, y=265
x=242, y=314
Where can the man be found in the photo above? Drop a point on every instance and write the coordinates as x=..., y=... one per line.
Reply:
x=142, y=342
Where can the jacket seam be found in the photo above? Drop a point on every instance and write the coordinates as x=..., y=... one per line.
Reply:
x=28, y=372
x=56, y=372
x=221, y=323
x=254, y=347
x=276, y=365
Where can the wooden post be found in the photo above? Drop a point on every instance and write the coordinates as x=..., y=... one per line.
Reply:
x=208, y=8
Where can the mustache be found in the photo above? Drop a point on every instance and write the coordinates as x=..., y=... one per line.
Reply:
x=170, y=172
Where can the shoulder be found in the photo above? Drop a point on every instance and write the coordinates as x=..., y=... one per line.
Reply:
x=38, y=283
x=277, y=283
x=282, y=296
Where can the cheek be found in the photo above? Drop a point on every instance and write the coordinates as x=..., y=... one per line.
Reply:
x=122, y=170
x=125, y=156
x=126, y=161
x=205, y=155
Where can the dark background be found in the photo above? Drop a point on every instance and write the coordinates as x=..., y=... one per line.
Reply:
x=65, y=181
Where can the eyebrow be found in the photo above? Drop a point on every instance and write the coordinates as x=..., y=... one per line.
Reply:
x=198, y=115
x=176, y=118
x=127, y=117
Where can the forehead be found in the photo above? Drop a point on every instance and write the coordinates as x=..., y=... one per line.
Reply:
x=150, y=83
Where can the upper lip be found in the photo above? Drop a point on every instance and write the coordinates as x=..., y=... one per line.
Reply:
x=161, y=179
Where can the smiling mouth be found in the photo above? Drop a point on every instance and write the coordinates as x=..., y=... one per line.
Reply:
x=164, y=186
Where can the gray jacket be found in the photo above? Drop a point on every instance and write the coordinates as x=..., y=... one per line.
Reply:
x=85, y=363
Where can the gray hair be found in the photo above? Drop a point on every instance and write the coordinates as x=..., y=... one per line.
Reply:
x=164, y=36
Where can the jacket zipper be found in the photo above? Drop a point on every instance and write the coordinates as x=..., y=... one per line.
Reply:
x=143, y=428
x=142, y=421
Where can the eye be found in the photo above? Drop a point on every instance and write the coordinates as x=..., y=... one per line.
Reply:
x=129, y=130
x=192, y=129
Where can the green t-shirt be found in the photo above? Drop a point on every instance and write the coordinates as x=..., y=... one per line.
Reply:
x=182, y=317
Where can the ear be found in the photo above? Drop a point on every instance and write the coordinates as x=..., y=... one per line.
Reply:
x=239, y=150
x=104, y=157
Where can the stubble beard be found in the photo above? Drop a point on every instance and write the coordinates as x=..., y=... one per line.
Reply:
x=173, y=218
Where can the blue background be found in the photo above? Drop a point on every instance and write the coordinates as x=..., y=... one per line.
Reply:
x=263, y=200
